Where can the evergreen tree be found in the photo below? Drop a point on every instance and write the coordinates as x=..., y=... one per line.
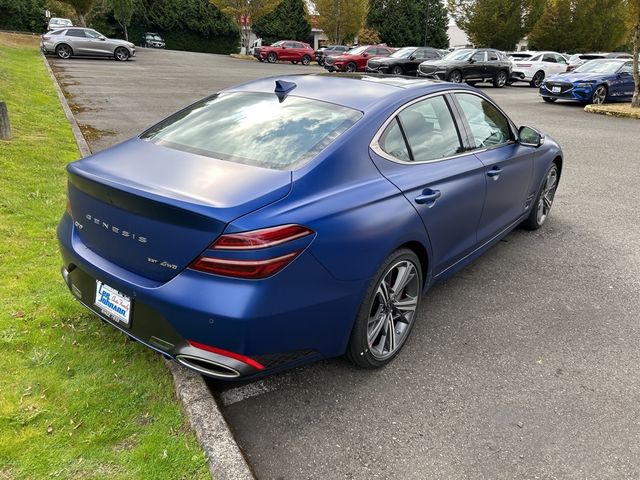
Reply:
x=287, y=22
x=22, y=15
x=409, y=23
x=496, y=23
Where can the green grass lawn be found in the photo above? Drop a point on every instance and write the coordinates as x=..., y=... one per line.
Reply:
x=77, y=400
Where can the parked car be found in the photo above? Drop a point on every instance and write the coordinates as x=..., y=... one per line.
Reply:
x=152, y=40
x=285, y=50
x=402, y=62
x=471, y=66
x=56, y=23
x=537, y=67
x=78, y=41
x=330, y=206
x=257, y=43
x=580, y=59
x=328, y=51
x=355, y=60
x=597, y=81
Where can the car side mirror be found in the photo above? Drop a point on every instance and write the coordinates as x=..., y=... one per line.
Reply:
x=102, y=37
x=365, y=54
x=530, y=137
x=412, y=57
x=471, y=60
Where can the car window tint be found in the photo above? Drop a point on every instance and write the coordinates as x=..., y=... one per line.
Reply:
x=489, y=127
x=626, y=68
x=94, y=34
x=392, y=142
x=371, y=51
x=255, y=128
x=560, y=59
x=298, y=45
x=74, y=32
x=430, y=129
x=533, y=59
x=478, y=57
x=493, y=56
x=549, y=58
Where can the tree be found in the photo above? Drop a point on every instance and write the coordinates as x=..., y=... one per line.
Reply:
x=122, y=12
x=243, y=12
x=496, y=23
x=82, y=8
x=341, y=19
x=288, y=21
x=368, y=36
x=551, y=32
x=25, y=15
x=407, y=22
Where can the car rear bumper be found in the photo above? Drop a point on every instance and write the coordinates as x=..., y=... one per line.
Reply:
x=222, y=327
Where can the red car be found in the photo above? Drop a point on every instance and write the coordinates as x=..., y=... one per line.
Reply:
x=286, y=50
x=355, y=60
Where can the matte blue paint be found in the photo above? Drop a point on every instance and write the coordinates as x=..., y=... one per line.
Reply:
x=361, y=207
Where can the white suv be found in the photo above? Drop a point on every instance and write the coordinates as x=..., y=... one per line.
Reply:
x=533, y=67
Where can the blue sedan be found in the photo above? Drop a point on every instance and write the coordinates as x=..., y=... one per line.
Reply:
x=290, y=219
x=597, y=81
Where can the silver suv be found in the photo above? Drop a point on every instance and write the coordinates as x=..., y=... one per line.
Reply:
x=68, y=42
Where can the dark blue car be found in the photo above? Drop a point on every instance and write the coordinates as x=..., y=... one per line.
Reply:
x=597, y=81
x=290, y=219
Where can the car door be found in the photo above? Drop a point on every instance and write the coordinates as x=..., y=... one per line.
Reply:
x=98, y=44
x=492, y=65
x=78, y=41
x=560, y=64
x=508, y=166
x=420, y=151
x=475, y=67
x=623, y=85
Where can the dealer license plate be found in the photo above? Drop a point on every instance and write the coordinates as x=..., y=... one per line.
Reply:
x=112, y=303
x=555, y=89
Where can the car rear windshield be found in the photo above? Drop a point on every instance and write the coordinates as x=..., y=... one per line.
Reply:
x=255, y=128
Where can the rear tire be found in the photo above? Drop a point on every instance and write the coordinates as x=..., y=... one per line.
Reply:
x=272, y=57
x=306, y=60
x=386, y=316
x=64, y=51
x=455, y=77
x=351, y=67
x=121, y=54
x=500, y=80
x=537, y=79
x=599, y=95
x=396, y=70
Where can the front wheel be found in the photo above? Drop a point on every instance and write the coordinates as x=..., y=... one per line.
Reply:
x=500, y=80
x=306, y=60
x=542, y=206
x=272, y=57
x=121, y=54
x=351, y=67
x=388, y=311
x=455, y=77
x=599, y=95
x=396, y=70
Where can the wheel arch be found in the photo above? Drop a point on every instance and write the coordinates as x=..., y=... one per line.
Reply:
x=58, y=45
x=420, y=250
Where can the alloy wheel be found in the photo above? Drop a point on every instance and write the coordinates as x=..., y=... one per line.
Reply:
x=306, y=60
x=501, y=79
x=63, y=51
x=351, y=67
x=537, y=79
x=600, y=95
x=393, y=309
x=396, y=70
x=121, y=54
x=455, y=77
x=546, y=198
x=272, y=57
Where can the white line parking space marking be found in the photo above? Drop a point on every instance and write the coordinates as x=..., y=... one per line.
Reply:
x=238, y=394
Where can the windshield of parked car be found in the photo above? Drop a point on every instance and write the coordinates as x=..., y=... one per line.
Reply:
x=405, y=52
x=154, y=37
x=458, y=55
x=357, y=50
x=60, y=21
x=599, y=66
x=255, y=128
x=93, y=33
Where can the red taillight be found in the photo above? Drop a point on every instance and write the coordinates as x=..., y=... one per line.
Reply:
x=227, y=353
x=251, y=241
x=243, y=268
x=264, y=238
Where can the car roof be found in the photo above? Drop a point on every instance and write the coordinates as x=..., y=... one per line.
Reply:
x=358, y=91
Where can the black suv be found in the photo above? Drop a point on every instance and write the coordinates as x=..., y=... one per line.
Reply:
x=329, y=50
x=471, y=66
x=403, y=62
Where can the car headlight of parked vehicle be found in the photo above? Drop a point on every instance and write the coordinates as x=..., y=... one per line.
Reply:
x=584, y=85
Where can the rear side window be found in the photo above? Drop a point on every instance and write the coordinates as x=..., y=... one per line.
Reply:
x=479, y=57
x=549, y=58
x=72, y=32
x=489, y=127
x=493, y=56
x=392, y=142
x=430, y=129
x=255, y=128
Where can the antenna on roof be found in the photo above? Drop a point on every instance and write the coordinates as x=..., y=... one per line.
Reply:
x=283, y=88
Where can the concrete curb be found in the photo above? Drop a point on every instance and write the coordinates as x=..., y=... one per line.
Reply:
x=614, y=110
x=83, y=146
x=225, y=459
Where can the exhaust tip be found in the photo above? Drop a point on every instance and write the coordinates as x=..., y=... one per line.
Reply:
x=207, y=367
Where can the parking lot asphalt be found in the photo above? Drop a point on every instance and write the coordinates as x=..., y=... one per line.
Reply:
x=524, y=365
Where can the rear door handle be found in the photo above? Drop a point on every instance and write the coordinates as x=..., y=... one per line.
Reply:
x=494, y=173
x=428, y=196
